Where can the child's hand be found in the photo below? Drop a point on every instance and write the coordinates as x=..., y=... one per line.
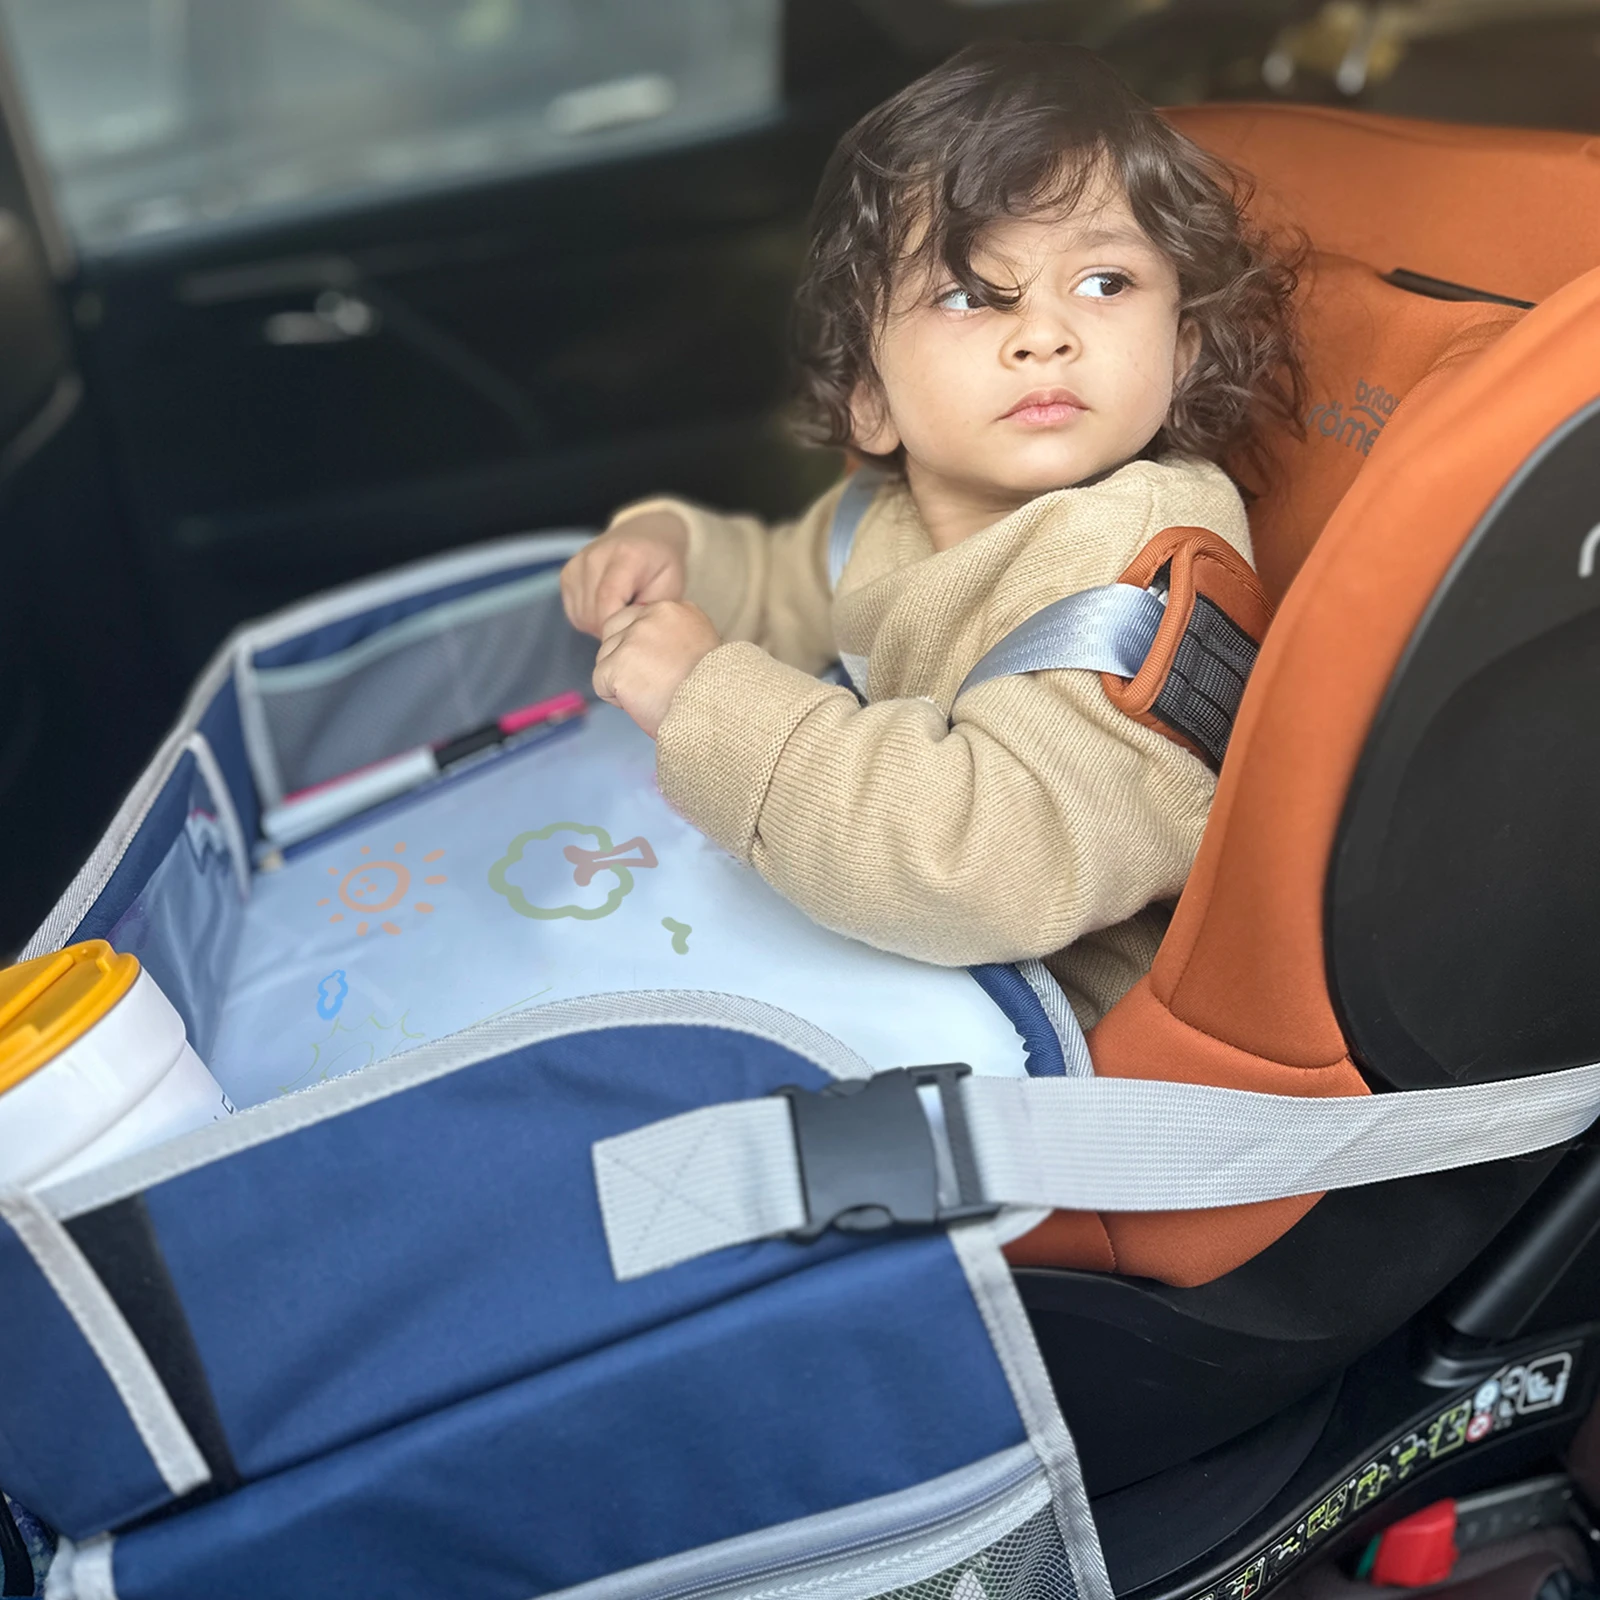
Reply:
x=637, y=562
x=646, y=652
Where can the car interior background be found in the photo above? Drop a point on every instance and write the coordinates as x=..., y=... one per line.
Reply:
x=293, y=292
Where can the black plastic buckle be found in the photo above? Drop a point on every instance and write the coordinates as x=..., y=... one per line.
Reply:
x=871, y=1156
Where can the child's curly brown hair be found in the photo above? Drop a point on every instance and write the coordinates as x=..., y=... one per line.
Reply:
x=1012, y=129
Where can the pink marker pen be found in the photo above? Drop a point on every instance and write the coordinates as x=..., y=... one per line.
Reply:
x=308, y=811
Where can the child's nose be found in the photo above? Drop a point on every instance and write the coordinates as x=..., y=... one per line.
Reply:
x=1041, y=336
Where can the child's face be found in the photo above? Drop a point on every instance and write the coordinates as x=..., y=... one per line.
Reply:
x=997, y=406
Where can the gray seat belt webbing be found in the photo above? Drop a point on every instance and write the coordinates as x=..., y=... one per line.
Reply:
x=1105, y=629
x=730, y=1174
x=1108, y=629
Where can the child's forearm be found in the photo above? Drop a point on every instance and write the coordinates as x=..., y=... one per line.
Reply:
x=952, y=845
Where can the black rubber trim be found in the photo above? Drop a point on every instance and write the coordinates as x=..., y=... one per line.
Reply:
x=1443, y=289
x=121, y=1245
x=1212, y=663
x=16, y=1565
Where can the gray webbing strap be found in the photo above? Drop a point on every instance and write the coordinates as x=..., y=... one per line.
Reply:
x=859, y=490
x=1108, y=629
x=730, y=1174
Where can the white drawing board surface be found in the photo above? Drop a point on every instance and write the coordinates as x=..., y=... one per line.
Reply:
x=544, y=875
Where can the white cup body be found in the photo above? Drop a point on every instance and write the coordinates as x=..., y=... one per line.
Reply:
x=130, y=1081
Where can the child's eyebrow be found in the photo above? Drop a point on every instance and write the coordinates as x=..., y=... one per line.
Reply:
x=1094, y=238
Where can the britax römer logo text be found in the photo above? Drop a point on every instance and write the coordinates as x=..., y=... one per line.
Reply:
x=1361, y=424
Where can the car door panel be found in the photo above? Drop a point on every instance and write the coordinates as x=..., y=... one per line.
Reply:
x=286, y=418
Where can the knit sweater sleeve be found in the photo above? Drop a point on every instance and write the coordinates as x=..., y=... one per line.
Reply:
x=765, y=586
x=1040, y=814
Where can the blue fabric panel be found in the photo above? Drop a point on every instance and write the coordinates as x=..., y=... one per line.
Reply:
x=173, y=901
x=420, y=1249
x=1013, y=994
x=224, y=732
x=332, y=637
x=68, y=1449
x=867, y=1375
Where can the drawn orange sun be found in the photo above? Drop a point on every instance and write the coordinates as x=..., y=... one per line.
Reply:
x=372, y=887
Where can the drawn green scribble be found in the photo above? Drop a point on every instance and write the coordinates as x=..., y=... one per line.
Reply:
x=680, y=932
x=336, y=1053
x=519, y=902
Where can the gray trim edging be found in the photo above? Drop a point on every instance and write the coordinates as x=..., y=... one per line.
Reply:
x=261, y=1124
x=999, y=1304
x=879, y=1544
x=87, y=1301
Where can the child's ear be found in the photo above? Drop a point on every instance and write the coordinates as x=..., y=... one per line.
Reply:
x=872, y=429
x=1187, y=351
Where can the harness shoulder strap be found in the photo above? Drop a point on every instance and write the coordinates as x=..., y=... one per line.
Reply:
x=1193, y=678
x=1108, y=629
x=1174, y=638
x=859, y=490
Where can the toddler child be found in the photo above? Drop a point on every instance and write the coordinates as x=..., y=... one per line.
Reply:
x=1036, y=306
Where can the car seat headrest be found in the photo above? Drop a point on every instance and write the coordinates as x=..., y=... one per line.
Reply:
x=1366, y=344
x=1511, y=210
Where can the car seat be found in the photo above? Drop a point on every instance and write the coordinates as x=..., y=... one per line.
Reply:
x=1398, y=885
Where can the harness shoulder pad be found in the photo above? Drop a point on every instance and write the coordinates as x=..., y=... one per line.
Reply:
x=1217, y=613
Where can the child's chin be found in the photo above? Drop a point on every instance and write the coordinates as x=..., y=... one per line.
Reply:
x=1058, y=466
x=1062, y=472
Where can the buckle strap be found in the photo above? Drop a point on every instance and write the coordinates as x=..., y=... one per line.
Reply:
x=756, y=1169
x=886, y=1151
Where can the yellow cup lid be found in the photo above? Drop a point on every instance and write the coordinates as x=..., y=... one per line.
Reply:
x=47, y=1003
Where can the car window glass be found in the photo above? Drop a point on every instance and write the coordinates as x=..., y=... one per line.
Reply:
x=160, y=115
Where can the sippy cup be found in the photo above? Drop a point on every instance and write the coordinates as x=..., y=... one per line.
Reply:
x=94, y=1063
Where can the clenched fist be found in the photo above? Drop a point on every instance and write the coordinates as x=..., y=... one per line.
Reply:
x=646, y=652
x=634, y=563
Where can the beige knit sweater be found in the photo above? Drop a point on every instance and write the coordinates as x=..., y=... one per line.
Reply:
x=1037, y=821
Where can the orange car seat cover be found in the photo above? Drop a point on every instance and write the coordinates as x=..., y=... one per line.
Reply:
x=1243, y=959
x=1367, y=345
x=1453, y=201
x=1238, y=994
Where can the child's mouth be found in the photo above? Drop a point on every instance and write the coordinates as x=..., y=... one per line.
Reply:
x=1046, y=408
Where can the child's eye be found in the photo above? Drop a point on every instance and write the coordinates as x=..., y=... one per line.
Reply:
x=1102, y=285
x=958, y=300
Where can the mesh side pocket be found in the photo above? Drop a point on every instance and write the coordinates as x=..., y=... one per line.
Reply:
x=423, y=681
x=1029, y=1563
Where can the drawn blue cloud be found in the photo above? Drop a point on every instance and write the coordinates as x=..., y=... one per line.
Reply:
x=330, y=995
